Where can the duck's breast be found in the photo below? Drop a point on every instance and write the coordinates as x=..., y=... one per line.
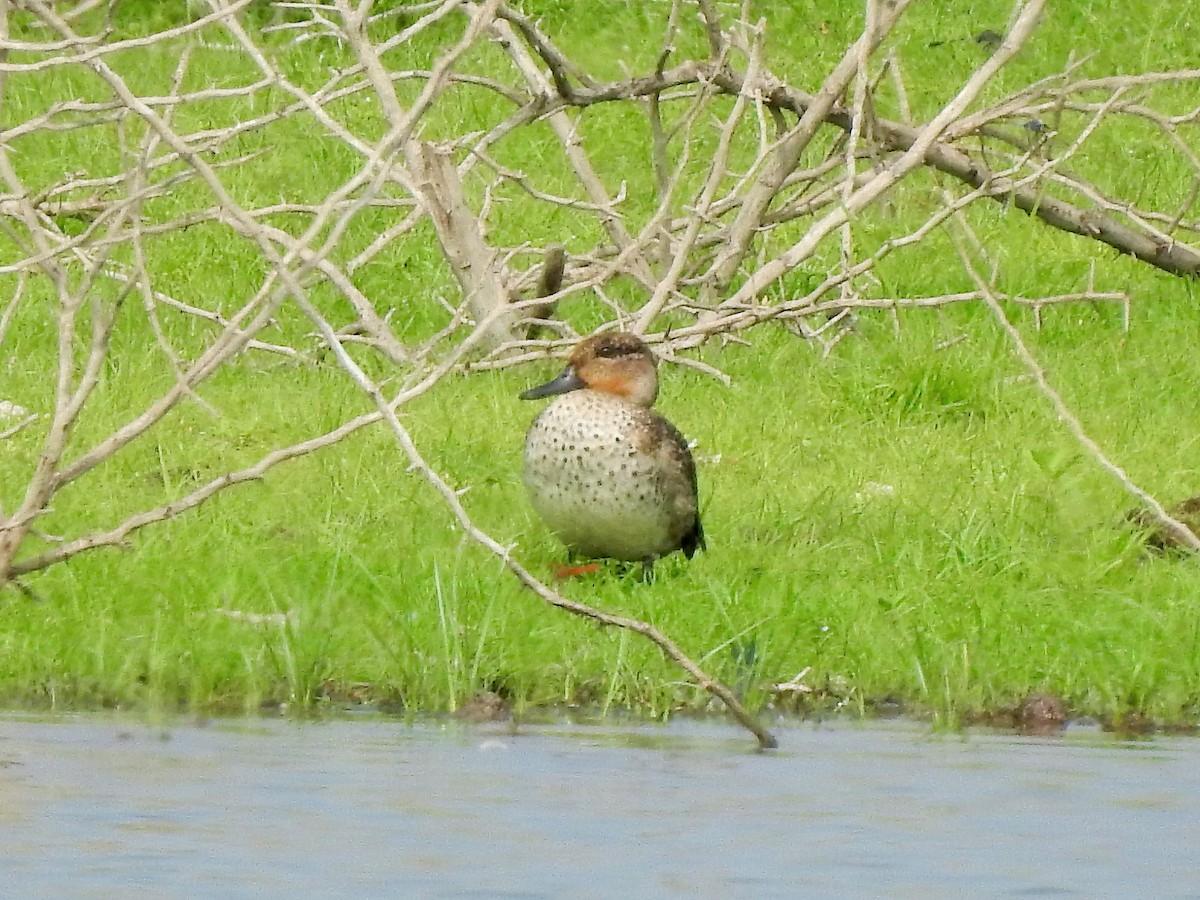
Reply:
x=598, y=474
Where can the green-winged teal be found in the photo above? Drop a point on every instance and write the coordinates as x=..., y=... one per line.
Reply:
x=611, y=477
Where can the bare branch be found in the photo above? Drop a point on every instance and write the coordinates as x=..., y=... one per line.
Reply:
x=462, y=241
x=1177, y=529
x=115, y=536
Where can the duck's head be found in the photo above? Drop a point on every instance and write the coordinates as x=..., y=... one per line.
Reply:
x=619, y=364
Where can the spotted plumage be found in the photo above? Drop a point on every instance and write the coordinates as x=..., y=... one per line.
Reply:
x=611, y=477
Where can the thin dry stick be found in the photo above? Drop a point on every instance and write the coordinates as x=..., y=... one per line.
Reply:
x=73, y=41
x=117, y=536
x=15, y=429
x=1173, y=526
x=10, y=308
x=658, y=135
x=700, y=212
x=854, y=138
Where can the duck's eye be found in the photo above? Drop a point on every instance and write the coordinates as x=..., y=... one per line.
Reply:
x=609, y=351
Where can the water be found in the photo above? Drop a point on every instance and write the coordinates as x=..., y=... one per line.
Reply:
x=92, y=806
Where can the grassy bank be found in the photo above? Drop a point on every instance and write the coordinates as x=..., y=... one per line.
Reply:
x=906, y=520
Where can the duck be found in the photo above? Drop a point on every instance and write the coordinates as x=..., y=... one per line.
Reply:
x=610, y=476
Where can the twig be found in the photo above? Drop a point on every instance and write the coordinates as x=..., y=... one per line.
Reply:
x=1173, y=526
x=117, y=535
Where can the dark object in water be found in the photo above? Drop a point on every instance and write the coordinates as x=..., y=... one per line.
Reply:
x=1041, y=714
x=486, y=706
x=1157, y=537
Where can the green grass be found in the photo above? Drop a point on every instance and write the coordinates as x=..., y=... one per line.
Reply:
x=905, y=521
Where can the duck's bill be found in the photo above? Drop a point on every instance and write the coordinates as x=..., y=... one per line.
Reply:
x=567, y=381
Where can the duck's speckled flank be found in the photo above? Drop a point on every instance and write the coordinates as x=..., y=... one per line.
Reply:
x=612, y=478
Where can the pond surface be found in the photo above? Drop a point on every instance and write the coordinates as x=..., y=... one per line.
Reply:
x=94, y=806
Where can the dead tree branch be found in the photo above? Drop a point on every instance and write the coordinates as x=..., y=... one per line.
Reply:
x=1178, y=530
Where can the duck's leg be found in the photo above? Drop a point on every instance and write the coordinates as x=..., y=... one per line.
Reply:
x=573, y=568
x=564, y=572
